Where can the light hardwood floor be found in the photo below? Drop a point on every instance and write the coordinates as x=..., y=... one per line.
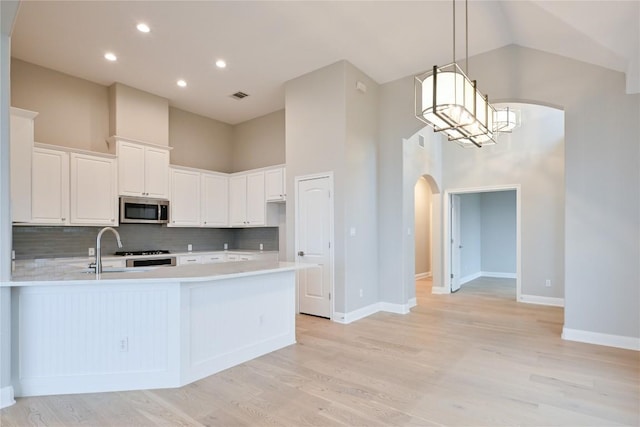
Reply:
x=474, y=358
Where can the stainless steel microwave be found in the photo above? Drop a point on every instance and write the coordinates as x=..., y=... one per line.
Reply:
x=143, y=210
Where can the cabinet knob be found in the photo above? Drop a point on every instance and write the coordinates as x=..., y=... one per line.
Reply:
x=301, y=253
x=63, y=219
x=112, y=220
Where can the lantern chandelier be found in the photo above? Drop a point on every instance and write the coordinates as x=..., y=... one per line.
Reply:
x=447, y=100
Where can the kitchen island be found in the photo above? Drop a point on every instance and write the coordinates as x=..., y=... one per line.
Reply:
x=159, y=328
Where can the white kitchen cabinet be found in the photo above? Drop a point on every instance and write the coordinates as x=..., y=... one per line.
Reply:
x=21, y=144
x=274, y=183
x=143, y=170
x=49, y=187
x=247, y=206
x=239, y=257
x=214, y=200
x=189, y=259
x=94, y=199
x=214, y=258
x=185, y=198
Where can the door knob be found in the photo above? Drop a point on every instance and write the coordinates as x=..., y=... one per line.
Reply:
x=301, y=253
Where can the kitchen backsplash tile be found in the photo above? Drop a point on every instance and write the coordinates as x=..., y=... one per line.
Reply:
x=57, y=242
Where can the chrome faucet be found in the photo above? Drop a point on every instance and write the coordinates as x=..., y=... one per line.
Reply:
x=98, y=254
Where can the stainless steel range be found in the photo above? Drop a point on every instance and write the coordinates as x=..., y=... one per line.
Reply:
x=154, y=257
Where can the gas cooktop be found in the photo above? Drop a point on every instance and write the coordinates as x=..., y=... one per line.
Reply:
x=149, y=252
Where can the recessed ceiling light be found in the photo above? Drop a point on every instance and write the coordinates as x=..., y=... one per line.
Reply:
x=221, y=63
x=143, y=28
x=110, y=56
x=182, y=83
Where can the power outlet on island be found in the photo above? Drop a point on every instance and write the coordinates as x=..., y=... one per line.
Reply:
x=92, y=251
x=189, y=247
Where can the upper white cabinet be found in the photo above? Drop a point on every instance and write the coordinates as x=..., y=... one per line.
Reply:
x=21, y=144
x=214, y=200
x=50, y=187
x=94, y=200
x=198, y=198
x=70, y=188
x=143, y=170
x=275, y=187
x=247, y=206
x=185, y=198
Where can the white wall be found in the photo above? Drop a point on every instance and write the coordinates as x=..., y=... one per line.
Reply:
x=498, y=233
x=470, y=235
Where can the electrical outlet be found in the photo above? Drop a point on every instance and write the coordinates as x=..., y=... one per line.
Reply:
x=226, y=246
x=261, y=246
x=547, y=283
x=189, y=247
x=92, y=251
x=361, y=293
x=124, y=344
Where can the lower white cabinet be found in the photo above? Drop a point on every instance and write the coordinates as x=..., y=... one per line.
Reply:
x=214, y=258
x=189, y=259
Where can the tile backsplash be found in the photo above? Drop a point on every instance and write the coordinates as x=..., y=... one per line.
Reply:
x=30, y=242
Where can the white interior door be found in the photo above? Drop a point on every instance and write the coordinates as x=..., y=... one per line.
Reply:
x=313, y=245
x=456, y=245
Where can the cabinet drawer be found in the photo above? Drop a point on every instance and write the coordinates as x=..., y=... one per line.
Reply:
x=239, y=257
x=189, y=259
x=210, y=259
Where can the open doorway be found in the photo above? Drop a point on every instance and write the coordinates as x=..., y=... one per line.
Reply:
x=484, y=235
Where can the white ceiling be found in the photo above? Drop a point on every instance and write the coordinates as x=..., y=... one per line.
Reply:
x=267, y=43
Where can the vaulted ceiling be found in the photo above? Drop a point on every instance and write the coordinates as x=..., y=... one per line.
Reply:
x=267, y=43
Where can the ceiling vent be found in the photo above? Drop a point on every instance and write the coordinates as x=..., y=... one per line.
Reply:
x=239, y=95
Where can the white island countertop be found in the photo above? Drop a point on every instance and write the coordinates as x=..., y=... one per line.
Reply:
x=186, y=273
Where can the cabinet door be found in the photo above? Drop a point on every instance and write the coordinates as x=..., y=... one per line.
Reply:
x=185, y=198
x=21, y=144
x=131, y=166
x=256, y=205
x=274, y=185
x=49, y=187
x=94, y=200
x=215, y=200
x=238, y=200
x=156, y=172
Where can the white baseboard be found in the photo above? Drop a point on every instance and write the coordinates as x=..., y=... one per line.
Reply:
x=619, y=341
x=498, y=275
x=470, y=277
x=423, y=275
x=535, y=299
x=361, y=313
x=440, y=290
x=358, y=314
x=6, y=397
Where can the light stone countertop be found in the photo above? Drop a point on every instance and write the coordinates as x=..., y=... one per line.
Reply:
x=177, y=274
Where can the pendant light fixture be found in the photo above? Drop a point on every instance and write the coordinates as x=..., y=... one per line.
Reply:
x=450, y=102
x=506, y=120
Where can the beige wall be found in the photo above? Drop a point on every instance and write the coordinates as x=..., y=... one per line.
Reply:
x=422, y=194
x=259, y=142
x=80, y=114
x=200, y=142
x=138, y=115
x=72, y=112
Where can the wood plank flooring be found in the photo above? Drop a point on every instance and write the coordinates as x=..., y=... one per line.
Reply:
x=474, y=358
